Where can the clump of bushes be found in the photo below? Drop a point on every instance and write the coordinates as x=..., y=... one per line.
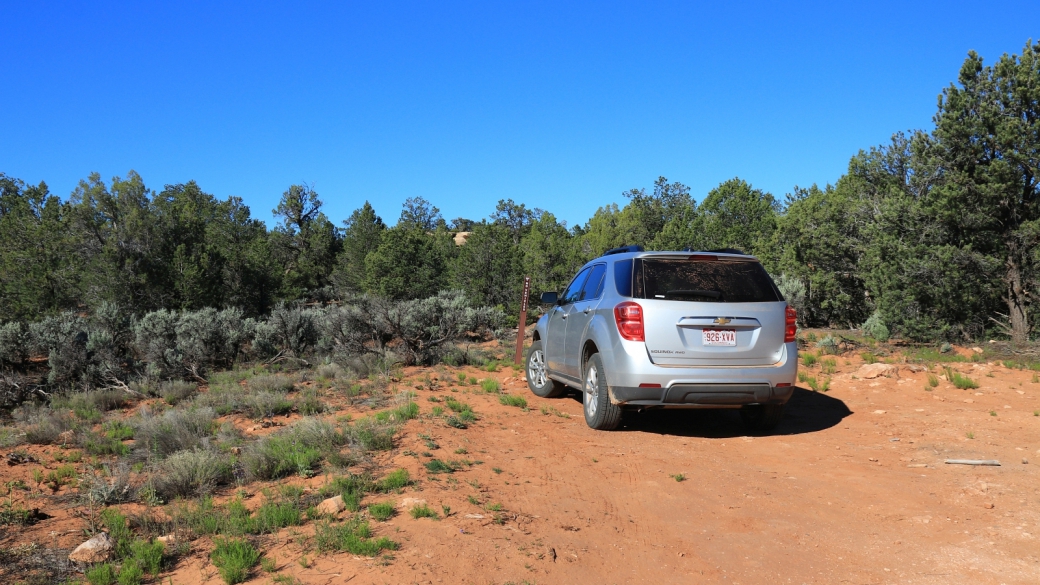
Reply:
x=160, y=435
x=234, y=558
x=191, y=473
x=875, y=327
x=296, y=450
x=176, y=391
x=266, y=404
x=270, y=383
x=353, y=536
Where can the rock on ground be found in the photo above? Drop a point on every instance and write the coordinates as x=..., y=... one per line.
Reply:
x=332, y=505
x=95, y=550
x=871, y=371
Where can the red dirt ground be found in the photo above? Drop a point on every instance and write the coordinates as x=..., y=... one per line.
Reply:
x=850, y=488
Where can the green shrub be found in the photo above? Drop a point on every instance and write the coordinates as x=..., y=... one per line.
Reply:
x=118, y=430
x=828, y=345
x=13, y=514
x=422, y=511
x=438, y=466
x=174, y=430
x=149, y=555
x=103, y=574
x=297, y=449
x=490, y=385
x=933, y=380
x=210, y=338
x=875, y=327
x=402, y=413
x=309, y=404
x=46, y=425
x=10, y=437
x=103, y=445
x=368, y=434
x=119, y=531
x=869, y=358
x=271, y=516
x=382, y=511
x=395, y=480
x=828, y=366
x=809, y=360
x=191, y=473
x=455, y=422
x=353, y=536
x=279, y=455
x=960, y=381
x=512, y=400
x=265, y=404
x=130, y=573
x=270, y=383
x=14, y=345
x=60, y=477
x=290, y=330
x=456, y=406
x=234, y=558
x=222, y=399
x=175, y=391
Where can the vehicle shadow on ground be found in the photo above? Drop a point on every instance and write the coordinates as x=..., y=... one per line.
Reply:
x=807, y=412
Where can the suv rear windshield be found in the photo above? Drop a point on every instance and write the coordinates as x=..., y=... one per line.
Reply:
x=720, y=281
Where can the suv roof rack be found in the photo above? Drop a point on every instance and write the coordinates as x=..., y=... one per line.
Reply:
x=719, y=251
x=623, y=249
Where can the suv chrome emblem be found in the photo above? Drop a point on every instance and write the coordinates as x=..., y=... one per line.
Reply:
x=721, y=320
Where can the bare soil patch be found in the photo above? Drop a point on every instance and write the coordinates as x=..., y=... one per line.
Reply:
x=851, y=488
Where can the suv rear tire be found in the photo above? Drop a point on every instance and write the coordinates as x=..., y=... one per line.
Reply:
x=600, y=414
x=538, y=379
x=762, y=417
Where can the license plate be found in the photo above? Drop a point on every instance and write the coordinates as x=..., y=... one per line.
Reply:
x=719, y=337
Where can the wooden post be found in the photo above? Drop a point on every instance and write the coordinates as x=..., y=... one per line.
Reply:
x=523, y=321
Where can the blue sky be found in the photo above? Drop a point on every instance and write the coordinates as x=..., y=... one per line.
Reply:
x=557, y=105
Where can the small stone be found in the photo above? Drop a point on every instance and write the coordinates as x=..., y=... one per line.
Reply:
x=969, y=400
x=1025, y=461
x=475, y=516
x=169, y=540
x=332, y=506
x=871, y=371
x=97, y=549
x=988, y=505
x=879, y=412
x=66, y=436
x=236, y=450
x=408, y=503
x=976, y=349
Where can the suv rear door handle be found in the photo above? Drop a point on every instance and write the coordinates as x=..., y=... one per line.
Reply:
x=587, y=309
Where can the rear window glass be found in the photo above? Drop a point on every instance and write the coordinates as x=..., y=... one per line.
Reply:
x=623, y=277
x=713, y=281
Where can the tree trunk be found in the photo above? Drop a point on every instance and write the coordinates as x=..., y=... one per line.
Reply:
x=1017, y=299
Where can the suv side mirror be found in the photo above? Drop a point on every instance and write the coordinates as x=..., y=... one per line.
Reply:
x=550, y=298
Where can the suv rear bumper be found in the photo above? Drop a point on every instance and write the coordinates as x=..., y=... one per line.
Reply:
x=702, y=395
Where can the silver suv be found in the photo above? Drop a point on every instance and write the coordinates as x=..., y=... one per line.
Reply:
x=639, y=330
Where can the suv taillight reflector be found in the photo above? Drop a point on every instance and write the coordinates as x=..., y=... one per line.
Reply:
x=791, y=328
x=629, y=319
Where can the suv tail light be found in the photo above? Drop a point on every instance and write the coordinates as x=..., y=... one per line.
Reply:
x=791, y=328
x=629, y=319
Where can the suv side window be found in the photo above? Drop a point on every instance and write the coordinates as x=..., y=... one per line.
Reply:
x=594, y=285
x=573, y=292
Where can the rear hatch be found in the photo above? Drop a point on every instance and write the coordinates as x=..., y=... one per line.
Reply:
x=701, y=310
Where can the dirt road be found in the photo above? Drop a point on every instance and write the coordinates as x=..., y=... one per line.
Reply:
x=851, y=488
